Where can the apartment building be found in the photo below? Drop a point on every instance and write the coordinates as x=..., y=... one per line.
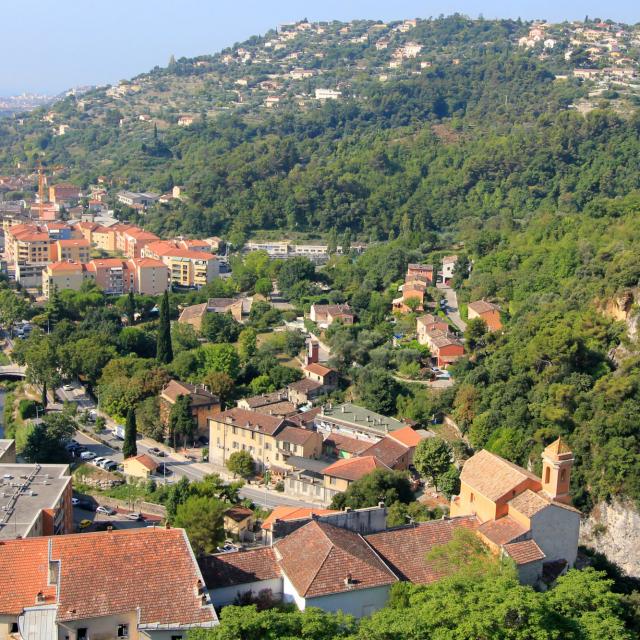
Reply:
x=71, y=249
x=27, y=243
x=202, y=402
x=187, y=267
x=63, y=275
x=134, y=240
x=148, y=276
x=35, y=500
x=63, y=193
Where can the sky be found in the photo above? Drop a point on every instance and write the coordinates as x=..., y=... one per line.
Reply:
x=47, y=46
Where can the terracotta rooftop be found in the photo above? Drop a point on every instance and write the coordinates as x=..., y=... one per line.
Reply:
x=284, y=409
x=74, y=242
x=524, y=552
x=239, y=567
x=238, y=513
x=558, y=448
x=318, y=369
x=193, y=311
x=407, y=436
x=295, y=435
x=388, y=451
x=305, y=385
x=348, y=445
x=147, y=262
x=252, y=420
x=222, y=303
x=320, y=559
x=354, y=468
x=199, y=396
x=482, y=306
x=145, y=461
x=305, y=418
x=65, y=265
x=404, y=549
x=284, y=512
x=128, y=574
x=265, y=399
x=493, y=476
x=502, y=530
x=528, y=503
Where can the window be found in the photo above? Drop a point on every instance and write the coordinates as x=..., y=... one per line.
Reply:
x=123, y=631
x=563, y=475
x=253, y=435
x=332, y=480
x=547, y=475
x=267, y=446
x=235, y=445
x=176, y=637
x=471, y=497
x=82, y=634
x=234, y=430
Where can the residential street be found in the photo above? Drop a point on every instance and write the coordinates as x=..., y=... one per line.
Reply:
x=452, y=306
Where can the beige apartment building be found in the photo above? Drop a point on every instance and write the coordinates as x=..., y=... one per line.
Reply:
x=187, y=267
x=72, y=249
x=62, y=276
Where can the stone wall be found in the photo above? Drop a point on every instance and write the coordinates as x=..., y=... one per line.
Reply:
x=614, y=530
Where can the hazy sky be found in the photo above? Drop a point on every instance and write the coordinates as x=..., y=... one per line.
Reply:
x=51, y=45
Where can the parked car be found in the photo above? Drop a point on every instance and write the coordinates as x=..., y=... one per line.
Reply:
x=163, y=470
x=87, y=455
x=134, y=515
x=104, y=462
x=157, y=452
x=84, y=524
x=87, y=505
x=227, y=548
x=107, y=511
x=110, y=466
x=98, y=461
x=75, y=501
x=72, y=444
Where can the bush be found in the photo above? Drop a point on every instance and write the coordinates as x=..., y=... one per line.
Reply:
x=279, y=486
x=240, y=463
x=28, y=408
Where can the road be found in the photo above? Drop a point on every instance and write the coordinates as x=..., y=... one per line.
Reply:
x=451, y=309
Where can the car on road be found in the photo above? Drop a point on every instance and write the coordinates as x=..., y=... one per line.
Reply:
x=67, y=387
x=98, y=461
x=87, y=455
x=163, y=470
x=72, y=444
x=134, y=515
x=157, y=452
x=107, y=511
x=84, y=524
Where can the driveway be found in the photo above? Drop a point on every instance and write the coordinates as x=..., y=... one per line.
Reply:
x=451, y=309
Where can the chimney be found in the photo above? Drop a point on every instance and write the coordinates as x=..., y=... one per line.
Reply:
x=109, y=528
x=167, y=525
x=40, y=597
x=348, y=580
x=380, y=505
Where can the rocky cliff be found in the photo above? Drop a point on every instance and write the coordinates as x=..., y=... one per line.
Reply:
x=614, y=529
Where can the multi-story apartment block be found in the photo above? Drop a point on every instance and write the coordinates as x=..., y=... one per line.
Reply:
x=72, y=249
x=63, y=275
x=187, y=267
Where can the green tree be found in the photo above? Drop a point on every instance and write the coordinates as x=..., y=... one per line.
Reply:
x=379, y=485
x=220, y=384
x=181, y=421
x=377, y=390
x=475, y=333
x=247, y=343
x=346, y=242
x=40, y=356
x=294, y=271
x=129, y=446
x=220, y=327
x=183, y=338
x=164, y=351
x=241, y=463
x=203, y=520
x=432, y=458
x=148, y=418
x=130, y=309
x=220, y=357
x=13, y=307
x=45, y=440
x=264, y=287
x=332, y=241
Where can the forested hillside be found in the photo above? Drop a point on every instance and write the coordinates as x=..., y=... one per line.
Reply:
x=479, y=145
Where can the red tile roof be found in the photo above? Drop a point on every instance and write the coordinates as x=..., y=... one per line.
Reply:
x=295, y=435
x=407, y=436
x=354, y=468
x=73, y=242
x=145, y=461
x=284, y=512
x=387, y=451
x=65, y=265
x=246, y=419
x=105, y=574
x=502, y=530
x=240, y=567
x=482, y=306
x=347, y=444
x=334, y=561
x=524, y=552
x=404, y=549
x=318, y=369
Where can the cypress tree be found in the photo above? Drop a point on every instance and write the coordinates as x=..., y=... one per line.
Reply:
x=164, y=351
x=130, y=308
x=130, y=448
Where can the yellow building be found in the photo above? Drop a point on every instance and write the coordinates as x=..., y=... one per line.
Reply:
x=188, y=267
x=72, y=249
x=62, y=275
x=104, y=238
x=238, y=521
x=339, y=475
x=244, y=430
x=141, y=466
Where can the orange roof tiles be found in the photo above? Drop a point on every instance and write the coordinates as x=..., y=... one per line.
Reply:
x=334, y=561
x=65, y=265
x=284, y=512
x=493, y=476
x=482, y=306
x=71, y=242
x=107, y=573
x=145, y=461
x=404, y=549
x=240, y=567
x=406, y=436
x=387, y=451
x=354, y=468
x=524, y=552
x=502, y=531
x=318, y=369
x=528, y=503
x=295, y=435
x=252, y=420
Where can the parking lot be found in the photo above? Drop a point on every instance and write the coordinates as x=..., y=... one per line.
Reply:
x=118, y=521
